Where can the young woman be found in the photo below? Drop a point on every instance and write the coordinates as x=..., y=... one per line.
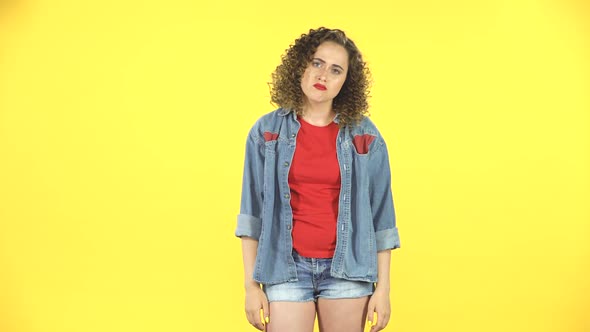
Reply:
x=317, y=220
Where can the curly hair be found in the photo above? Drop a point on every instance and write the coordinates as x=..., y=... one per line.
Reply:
x=351, y=102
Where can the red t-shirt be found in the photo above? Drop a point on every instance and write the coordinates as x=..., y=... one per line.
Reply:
x=314, y=179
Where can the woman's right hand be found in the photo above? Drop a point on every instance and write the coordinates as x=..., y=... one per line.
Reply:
x=256, y=300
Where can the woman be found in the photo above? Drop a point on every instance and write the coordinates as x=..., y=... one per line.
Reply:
x=317, y=220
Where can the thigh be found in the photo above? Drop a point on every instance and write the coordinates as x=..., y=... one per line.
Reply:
x=291, y=317
x=342, y=315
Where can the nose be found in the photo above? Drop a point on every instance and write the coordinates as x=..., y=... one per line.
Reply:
x=322, y=75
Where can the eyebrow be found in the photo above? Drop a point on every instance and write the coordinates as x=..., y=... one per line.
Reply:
x=335, y=65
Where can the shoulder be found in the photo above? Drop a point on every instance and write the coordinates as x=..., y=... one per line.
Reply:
x=366, y=131
x=367, y=126
x=268, y=123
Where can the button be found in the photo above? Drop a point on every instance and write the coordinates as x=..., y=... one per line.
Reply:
x=288, y=227
x=292, y=135
x=286, y=163
x=286, y=195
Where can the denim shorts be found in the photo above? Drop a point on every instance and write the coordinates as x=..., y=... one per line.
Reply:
x=314, y=281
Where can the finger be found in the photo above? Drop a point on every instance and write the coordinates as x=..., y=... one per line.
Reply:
x=265, y=311
x=261, y=317
x=259, y=325
x=254, y=319
x=385, y=319
x=373, y=322
x=380, y=326
x=376, y=319
x=370, y=314
x=382, y=322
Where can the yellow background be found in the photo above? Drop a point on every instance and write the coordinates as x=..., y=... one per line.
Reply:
x=122, y=134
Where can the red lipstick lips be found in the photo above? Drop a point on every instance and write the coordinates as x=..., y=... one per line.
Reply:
x=320, y=86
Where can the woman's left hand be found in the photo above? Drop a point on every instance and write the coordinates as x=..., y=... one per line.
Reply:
x=379, y=303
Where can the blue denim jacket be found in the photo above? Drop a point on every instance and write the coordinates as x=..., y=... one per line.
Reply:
x=366, y=218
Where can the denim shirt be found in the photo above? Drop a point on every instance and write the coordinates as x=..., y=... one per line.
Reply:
x=366, y=218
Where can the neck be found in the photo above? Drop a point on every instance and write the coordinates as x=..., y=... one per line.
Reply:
x=318, y=114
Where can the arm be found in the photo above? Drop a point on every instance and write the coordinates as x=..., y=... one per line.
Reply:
x=386, y=233
x=249, y=247
x=383, y=263
x=255, y=297
x=379, y=301
x=249, y=228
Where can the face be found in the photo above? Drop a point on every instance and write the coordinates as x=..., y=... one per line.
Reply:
x=325, y=74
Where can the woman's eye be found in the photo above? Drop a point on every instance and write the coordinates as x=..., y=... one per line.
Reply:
x=336, y=71
x=316, y=64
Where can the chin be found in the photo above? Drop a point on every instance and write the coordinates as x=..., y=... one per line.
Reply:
x=319, y=101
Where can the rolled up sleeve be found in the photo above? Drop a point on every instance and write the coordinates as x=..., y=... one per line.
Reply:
x=387, y=239
x=248, y=226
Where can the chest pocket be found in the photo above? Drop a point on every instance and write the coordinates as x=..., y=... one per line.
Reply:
x=270, y=142
x=361, y=143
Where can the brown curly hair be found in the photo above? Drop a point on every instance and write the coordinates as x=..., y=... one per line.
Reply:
x=351, y=102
